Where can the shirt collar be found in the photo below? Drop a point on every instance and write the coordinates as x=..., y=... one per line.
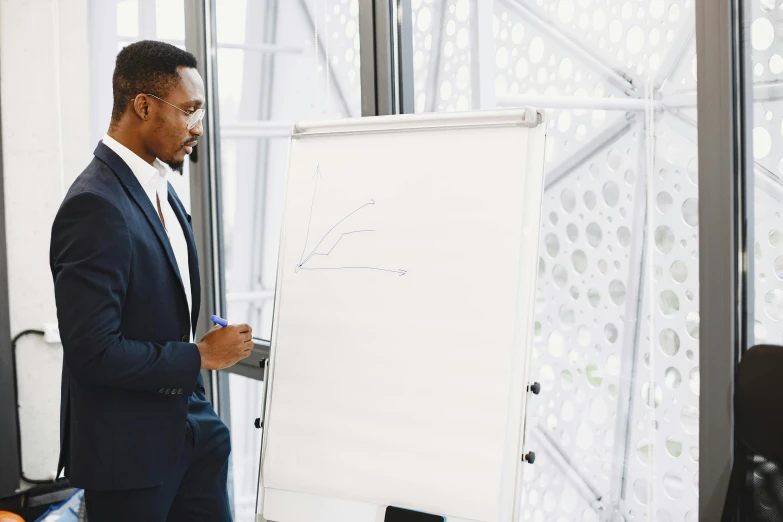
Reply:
x=143, y=171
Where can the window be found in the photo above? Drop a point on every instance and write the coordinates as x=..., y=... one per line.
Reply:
x=767, y=71
x=616, y=427
x=278, y=63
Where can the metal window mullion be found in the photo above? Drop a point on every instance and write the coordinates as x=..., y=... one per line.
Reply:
x=9, y=436
x=205, y=181
x=723, y=240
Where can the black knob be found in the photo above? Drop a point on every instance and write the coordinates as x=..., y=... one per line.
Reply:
x=258, y=424
x=536, y=388
x=530, y=457
x=262, y=363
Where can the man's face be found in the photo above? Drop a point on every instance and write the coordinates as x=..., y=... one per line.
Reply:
x=167, y=135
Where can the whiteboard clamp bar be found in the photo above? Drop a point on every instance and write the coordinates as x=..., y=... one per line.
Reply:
x=525, y=117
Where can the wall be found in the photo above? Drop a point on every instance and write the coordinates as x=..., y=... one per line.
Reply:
x=44, y=91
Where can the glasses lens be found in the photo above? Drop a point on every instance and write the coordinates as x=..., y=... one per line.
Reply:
x=196, y=117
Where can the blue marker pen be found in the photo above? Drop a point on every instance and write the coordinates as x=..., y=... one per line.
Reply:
x=219, y=320
x=222, y=322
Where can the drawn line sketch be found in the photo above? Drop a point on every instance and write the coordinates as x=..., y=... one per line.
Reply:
x=307, y=257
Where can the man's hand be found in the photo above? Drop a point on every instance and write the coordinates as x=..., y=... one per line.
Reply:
x=225, y=346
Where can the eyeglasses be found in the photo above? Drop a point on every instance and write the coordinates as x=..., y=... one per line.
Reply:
x=193, y=116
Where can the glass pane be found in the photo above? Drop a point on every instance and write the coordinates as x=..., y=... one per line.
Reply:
x=277, y=63
x=128, y=18
x=170, y=19
x=767, y=69
x=617, y=316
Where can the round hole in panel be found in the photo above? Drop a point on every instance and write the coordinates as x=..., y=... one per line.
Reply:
x=594, y=376
x=776, y=64
x=690, y=211
x=669, y=303
x=610, y=331
x=673, y=447
x=565, y=10
x=664, y=239
x=574, y=292
x=602, y=266
x=517, y=33
x=664, y=202
x=572, y=232
x=423, y=19
x=568, y=200
x=536, y=49
x=593, y=297
x=611, y=193
x=463, y=10
x=617, y=292
x=579, y=260
x=614, y=159
x=567, y=316
x=664, y=516
x=762, y=34
x=694, y=453
x=673, y=485
x=560, y=275
x=623, y=236
x=567, y=380
x=672, y=378
x=589, y=199
x=773, y=304
x=779, y=267
x=776, y=238
x=669, y=342
x=635, y=40
x=644, y=451
x=689, y=417
x=694, y=381
x=762, y=142
x=679, y=271
x=594, y=234
x=640, y=491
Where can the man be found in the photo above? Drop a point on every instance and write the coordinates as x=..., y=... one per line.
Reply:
x=136, y=430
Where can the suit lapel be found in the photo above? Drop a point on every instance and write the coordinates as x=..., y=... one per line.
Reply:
x=136, y=192
x=195, y=279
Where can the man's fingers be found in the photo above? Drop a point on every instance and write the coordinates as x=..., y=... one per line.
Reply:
x=244, y=328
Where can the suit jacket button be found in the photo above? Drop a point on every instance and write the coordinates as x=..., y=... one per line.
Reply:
x=162, y=390
x=179, y=391
x=168, y=391
x=185, y=338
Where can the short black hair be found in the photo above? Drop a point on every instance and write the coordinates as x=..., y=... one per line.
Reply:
x=146, y=67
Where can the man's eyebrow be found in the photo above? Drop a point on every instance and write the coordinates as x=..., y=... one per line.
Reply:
x=194, y=103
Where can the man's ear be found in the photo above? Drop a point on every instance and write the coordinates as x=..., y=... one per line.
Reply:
x=141, y=107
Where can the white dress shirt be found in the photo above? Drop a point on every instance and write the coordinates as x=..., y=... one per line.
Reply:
x=153, y=180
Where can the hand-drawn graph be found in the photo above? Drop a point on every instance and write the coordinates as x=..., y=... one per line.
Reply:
x=305, y=261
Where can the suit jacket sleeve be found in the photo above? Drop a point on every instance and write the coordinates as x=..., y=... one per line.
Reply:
x=90, y=257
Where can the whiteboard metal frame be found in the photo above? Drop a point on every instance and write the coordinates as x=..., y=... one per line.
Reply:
x=528, y=117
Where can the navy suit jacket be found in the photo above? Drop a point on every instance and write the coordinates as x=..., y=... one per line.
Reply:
x=128, y=368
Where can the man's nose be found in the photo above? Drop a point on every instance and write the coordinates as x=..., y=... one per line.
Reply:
x=198, y=129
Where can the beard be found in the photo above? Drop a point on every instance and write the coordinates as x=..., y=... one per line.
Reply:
x=176, y=166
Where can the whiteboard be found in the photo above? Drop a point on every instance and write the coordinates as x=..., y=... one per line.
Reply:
x=403, y=317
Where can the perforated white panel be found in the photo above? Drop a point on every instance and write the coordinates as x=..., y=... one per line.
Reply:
x=616, y=427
